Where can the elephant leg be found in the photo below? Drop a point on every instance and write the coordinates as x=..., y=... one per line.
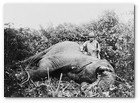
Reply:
x=38, y=74
x=46, y=66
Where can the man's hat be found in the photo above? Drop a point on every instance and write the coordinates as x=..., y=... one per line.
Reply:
x=91, y=35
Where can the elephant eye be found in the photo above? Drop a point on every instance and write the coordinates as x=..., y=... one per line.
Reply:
x=108, y=65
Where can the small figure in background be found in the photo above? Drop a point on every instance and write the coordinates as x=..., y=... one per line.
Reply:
x=91, y=47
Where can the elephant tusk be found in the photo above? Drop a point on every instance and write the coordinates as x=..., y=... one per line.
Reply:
x=82, y=68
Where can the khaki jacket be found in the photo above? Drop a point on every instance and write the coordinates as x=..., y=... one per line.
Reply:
x=91, y=47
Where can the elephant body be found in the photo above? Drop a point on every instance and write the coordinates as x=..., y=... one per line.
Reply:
x=67, y=58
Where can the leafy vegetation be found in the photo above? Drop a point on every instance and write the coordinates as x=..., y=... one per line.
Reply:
x=116, y=40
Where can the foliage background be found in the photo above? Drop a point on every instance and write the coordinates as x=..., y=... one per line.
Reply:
x=117, y=41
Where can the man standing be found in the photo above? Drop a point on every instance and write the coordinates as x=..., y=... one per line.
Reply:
x=91, y=47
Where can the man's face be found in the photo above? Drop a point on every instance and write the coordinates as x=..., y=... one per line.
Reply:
x=91, y=39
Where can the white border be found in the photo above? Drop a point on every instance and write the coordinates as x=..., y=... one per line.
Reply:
x=72, y=100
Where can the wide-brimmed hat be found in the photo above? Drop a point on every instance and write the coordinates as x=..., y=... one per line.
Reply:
x=91, y=35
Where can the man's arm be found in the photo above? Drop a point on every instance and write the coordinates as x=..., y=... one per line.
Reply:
x=99, y=47
x=84, y=46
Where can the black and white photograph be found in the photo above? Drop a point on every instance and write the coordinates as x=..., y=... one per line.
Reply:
x=69, y=50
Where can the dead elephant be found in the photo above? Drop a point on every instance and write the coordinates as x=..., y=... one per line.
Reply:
x=67, y=58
